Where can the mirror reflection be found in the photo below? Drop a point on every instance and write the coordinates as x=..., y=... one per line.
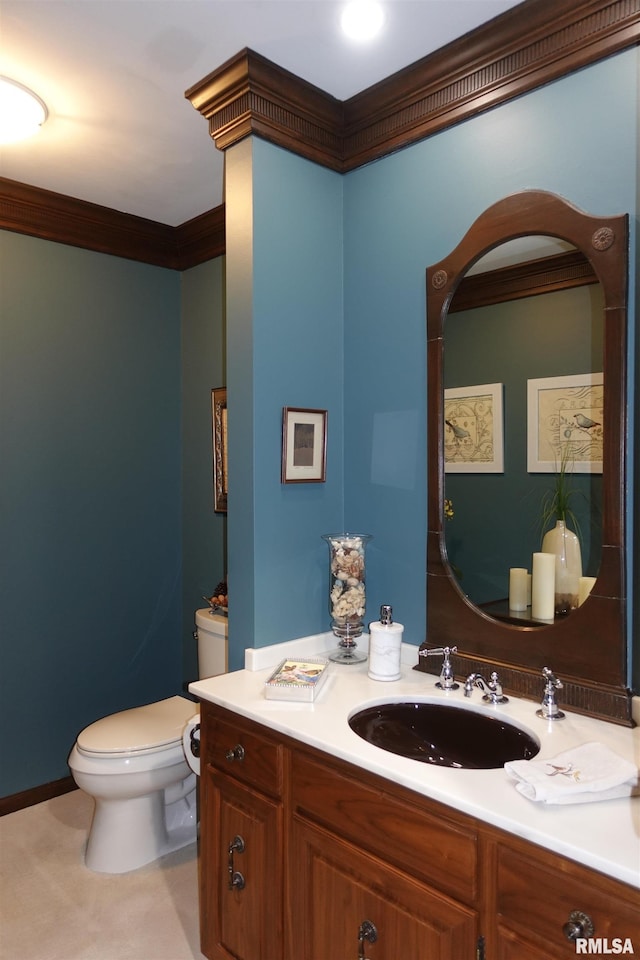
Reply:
x=529, y=310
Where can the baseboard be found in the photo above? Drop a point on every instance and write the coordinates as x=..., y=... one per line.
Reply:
x=27, y=798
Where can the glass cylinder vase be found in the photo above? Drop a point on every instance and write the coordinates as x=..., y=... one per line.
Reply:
x=565, y=545
x=347, y=595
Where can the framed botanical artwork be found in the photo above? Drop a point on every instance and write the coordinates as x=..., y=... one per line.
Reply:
x=304, y=445
x=219, y=422
x=473, y=429
x=565, y=423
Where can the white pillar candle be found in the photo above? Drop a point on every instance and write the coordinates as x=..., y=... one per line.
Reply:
x=585, y=586
x=543, y=581
x=518, y=582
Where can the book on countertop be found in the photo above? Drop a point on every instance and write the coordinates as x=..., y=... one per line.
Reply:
x=297, y=679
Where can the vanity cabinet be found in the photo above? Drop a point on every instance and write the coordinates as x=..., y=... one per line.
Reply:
x=340, y=864
x=241, y=841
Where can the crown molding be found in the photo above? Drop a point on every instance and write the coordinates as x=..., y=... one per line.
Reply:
x=200, y=239
x=530, y=45
x=250, y=94
x=54, y=216
x=522, y=49
x=526, y=279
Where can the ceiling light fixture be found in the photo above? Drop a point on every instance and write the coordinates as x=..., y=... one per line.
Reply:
x=22, y=112
x=362, y=20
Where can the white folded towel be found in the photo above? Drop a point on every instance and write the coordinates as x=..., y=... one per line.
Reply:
x=581, y=775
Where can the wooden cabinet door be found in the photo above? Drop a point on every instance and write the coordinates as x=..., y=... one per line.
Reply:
x=510, y=946
x=336, y=889
x=241, y=919
x=537, y=893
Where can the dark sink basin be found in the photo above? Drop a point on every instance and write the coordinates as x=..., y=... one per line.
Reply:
x=443, y=735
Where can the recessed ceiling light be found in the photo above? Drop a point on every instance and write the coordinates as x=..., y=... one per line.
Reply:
x=22, y=112
x=362, y=19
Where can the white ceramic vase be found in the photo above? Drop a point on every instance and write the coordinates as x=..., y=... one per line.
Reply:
x=565, y=545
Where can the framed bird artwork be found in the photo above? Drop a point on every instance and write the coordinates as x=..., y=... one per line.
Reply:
x=473, y=429
x=565, y=421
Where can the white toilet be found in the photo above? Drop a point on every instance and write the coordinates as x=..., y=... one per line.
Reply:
x=137, y=766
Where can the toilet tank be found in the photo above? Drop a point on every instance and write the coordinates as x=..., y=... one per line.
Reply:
x=212, y=643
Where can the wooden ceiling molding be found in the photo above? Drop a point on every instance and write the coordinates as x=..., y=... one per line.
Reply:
x=530, y=45
x=250, y=94
x=54, y=216
x=530, y=279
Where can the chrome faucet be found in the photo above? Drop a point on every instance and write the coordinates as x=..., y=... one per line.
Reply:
x=447, y=679
x=549, y=706
x=492, y=688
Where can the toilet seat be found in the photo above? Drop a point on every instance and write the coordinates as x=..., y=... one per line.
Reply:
x=154, y=728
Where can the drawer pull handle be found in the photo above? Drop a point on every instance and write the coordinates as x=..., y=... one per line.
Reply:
x=236, y=880
x=578, y=925
x=236, y=753
x=367, y=931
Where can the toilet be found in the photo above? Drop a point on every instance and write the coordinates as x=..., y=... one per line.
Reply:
x=140, y=771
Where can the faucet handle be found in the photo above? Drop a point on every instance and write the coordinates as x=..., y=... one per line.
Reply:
x=551, y=679
x=446, y=680
x=549, y=706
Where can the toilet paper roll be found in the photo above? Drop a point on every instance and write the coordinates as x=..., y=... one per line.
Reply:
x=191, y=734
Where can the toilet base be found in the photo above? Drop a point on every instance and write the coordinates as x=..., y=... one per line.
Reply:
x=127, y=834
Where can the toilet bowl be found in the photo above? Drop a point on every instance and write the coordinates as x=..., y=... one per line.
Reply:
x=142, y=776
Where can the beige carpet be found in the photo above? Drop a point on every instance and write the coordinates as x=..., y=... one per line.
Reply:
x=53, y=908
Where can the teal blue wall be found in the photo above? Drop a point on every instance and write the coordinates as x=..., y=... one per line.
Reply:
x=577, y=137
x=203, y=368
x=91, y=578
x=285, y=348
x=90, y=500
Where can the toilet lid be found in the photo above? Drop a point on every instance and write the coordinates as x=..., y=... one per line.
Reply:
x=155, y=726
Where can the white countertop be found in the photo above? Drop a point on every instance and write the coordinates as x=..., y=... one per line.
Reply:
x=604, y=835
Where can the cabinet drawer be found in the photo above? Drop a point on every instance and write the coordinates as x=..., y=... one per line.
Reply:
x=412, y=834
x=242, y=750
x=536, y=899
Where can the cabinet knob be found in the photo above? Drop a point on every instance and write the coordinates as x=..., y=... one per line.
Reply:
x=236, y=753
x=578, y=925
x=366, y=931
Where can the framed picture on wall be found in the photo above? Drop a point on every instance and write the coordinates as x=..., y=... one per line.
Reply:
x=304, y=445
x=565, y=423
x=473, y=429
x=219, y=423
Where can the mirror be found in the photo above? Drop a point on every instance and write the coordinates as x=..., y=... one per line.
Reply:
x=587, y=648
x=551, y=326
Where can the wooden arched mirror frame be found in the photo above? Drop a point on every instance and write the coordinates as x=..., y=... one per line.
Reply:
x=586, y=649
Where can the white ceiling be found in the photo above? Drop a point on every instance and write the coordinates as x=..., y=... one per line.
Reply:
x=113, y=74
